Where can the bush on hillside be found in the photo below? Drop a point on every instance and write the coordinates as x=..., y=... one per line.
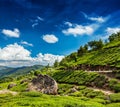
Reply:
x=115, y=97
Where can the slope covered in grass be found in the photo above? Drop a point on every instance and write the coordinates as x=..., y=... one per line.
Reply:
x=87, y=78
x=106, y=55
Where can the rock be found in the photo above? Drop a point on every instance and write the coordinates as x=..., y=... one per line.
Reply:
x=44, y=84
x=73, y=90
x=11, y=85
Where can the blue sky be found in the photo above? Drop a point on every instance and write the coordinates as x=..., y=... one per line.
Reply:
x=42, y=31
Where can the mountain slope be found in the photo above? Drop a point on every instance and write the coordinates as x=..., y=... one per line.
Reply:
x=105, y=58
x=18, y=71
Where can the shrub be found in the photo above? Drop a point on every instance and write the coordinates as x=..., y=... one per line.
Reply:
x=32, y=94
x=114, y=85
x=115, y=97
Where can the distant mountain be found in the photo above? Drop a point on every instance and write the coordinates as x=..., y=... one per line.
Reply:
x=6, y=71
x=3, y=67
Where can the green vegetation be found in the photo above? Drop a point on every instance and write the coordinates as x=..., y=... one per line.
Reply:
x=16, y=72
x=34, y=99
x=87, y=78
x=115, y=97
x=99, y=54
x=76, y=88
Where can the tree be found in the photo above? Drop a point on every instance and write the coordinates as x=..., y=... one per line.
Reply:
x=114, y=37
x=95, y=45
x=82, y=50
x=73, y=56
x=56, y=63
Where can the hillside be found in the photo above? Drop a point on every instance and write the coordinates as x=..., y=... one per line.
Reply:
x=76, y=86
x=100, y=57
x=14, y=72
x=75, y=89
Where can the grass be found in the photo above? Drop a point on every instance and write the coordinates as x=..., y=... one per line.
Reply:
x=33, y=99
x=87, y=79
x=108, y=55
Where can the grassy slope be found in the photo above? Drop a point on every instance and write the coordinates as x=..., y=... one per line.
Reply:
x=34, y=99
x=84, y=97
x=87, y=78
x=108, y=55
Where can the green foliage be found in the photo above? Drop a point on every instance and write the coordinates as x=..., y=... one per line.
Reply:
x=32, y=99
x=100, y=54
x=32, y=94
x=114, y=85
x=18, y=72
x=95, y=45
x=20, y=87
x=113, y=105
x=56, y=63
x=82, y=50
x=36, y=72
x=6, y=79
x=114, y=37
x=115, y=97
x=80, y=77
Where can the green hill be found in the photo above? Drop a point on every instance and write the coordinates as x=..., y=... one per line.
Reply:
x=96, y=55
x=14, y=72
x=76, y=86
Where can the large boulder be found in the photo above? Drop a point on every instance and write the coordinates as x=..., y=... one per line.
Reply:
x=44, y=84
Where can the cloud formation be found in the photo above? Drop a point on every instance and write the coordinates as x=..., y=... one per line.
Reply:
x=110, y=30
x=15, y=33
x=39, y=18
x=79, y=30
x=68, y=23
x=14, y=55
x=14, y=52
x=26, y=43
x=36, y=21
x=98, y=19
x=50, y=38
x=34, y=24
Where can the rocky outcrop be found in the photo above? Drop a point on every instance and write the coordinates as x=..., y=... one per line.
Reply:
x=11, y=85
x=44, y=84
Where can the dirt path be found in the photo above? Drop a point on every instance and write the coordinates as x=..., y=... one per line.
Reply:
x=5, y=91
x=106, y=92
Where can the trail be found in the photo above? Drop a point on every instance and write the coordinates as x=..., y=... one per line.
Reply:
x=5, y=91
x=106, y=92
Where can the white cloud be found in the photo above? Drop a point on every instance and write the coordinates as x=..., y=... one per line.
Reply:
x=112, y=30
x=79, y=30
x=26, y=43
x=48, y=58
x=34, y=24
x=15, y=33
x=99, y=19
x=50, y=38
x=15, y=55
x=39, y=18
x=108, y=32
x=69, y=24
x=14, y=52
